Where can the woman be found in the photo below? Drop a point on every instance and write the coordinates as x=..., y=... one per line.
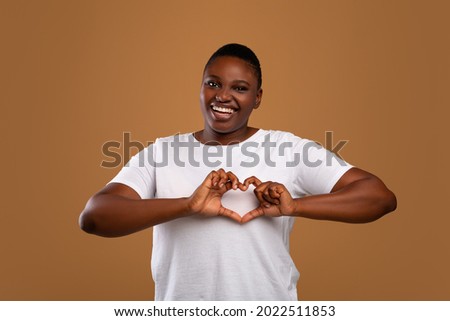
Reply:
x=222, y=200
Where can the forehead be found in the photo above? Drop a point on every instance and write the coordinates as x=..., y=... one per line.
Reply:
x=231, y=68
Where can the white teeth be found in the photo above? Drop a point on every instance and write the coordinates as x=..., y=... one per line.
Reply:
x=223, y=109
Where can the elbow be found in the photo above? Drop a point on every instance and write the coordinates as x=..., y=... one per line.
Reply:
x=86, y=222
x=392, y=203
x=381, y=202
x=387, y=203
x=91, y=220
x=90, y=217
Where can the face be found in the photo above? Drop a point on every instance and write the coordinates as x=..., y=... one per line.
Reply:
x=228, y=95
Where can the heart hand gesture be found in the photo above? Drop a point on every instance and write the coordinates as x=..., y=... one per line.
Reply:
x=274, y=198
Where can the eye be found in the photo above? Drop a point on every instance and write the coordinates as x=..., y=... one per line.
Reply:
x=211, y=83
x=241, y=88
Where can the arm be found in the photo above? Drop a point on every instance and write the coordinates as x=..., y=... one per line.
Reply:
x=358, y=197
x=118, y=210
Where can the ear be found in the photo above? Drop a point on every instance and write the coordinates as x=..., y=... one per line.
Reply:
x=258, y=98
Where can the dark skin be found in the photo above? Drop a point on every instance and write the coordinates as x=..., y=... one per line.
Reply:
x=228, y=95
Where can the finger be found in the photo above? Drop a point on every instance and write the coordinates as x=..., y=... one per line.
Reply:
x=266, y=192
x=252, y=180
x=223, y=177
x=257, y=212
x=242, y=187
x=266, y=195
x=223, y=211
x=233, y=180
x=280, y=192
x=214, y=178
x=274, y=194
x=260, y=194
x=275, y=191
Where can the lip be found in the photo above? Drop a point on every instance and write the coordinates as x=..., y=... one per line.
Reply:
x=222, y=115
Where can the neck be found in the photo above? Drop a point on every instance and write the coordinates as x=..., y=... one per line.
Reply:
x=211, y=137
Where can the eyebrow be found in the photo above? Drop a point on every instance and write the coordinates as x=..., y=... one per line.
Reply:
x=236, y=81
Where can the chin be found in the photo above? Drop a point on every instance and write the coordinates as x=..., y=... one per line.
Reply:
x=222, y=129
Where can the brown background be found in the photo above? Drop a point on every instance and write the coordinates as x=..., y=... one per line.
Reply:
x=76, y=74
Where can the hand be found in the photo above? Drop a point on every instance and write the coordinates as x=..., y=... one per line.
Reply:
x=274, y=198
x=207, y=198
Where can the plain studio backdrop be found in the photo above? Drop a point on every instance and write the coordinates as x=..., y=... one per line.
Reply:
x=78, y=74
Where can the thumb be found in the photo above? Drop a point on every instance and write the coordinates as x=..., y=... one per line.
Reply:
x=223, y=211
x=251, y=215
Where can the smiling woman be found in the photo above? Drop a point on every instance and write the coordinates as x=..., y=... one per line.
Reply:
x=229, y=93
x=222, y=233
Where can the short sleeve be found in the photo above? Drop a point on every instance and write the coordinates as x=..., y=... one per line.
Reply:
x=319, y=169
x=139, y=173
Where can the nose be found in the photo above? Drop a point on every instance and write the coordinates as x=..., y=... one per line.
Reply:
x=223, y=95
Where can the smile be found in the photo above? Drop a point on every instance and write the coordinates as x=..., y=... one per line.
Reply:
x=222, y=109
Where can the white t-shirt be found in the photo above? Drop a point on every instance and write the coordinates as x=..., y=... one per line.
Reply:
x=198, y=258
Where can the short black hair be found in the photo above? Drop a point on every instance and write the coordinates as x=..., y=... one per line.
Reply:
x=242, y=52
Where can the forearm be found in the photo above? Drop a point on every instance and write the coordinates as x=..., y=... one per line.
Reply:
x=112, y=215
x=362, y=201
